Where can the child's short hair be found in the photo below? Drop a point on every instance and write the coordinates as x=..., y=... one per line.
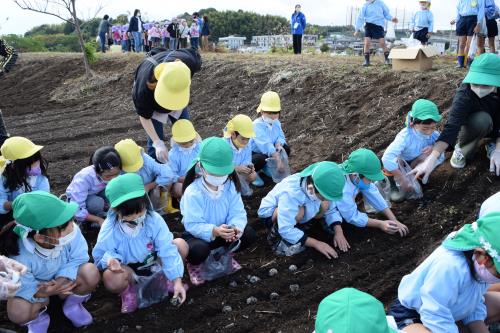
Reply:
x=416, y=121
x=133, y=206
x=105, y=158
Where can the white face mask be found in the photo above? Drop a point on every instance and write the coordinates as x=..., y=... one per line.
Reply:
x=311, y=193
x=484, y=274
x=130, y=229
x=422, y=135
x=69, y=237
x=186, y=150
x=214, y=194
x=481, y=91
x=47, y=253
x=215, y=180
x=268, y=120
x=423, y=7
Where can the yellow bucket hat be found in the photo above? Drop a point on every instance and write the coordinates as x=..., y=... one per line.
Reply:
x=173, y=87
x=130, y=154
x=270, y=102
x=18, y=148
x=241, y=124
x=183, y=131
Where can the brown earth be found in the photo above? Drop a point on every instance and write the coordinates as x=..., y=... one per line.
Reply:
x=331, y=106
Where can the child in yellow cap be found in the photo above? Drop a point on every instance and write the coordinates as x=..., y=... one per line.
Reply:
x=238, y=133
x=25, y=170
x=185, y=148
x=269, y=136
x=45, y=239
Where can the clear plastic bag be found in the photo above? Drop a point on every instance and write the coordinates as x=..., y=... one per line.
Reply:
x=246, y=190
x=278, y=174
x=405, y=169
x=411, y=42
x=151, y=289
x=384, y=187
x=220, y=262
x=283, y=249
x=391, y=31
x=473, y=47
x=158, y=200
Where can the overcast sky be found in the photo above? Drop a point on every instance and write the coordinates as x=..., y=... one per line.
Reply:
x=14, y=20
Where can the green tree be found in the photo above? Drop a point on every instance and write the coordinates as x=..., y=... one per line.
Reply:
x=121, y=19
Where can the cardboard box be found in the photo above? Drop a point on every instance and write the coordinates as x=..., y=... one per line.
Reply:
x=414, y=59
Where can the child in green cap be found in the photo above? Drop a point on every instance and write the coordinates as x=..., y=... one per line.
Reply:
x=134, y=241
x=211, y=206
x=412, y=145
x=450, y=287
x=349, y=310
x=298, y=200
x=45, y=239
x=362, y=169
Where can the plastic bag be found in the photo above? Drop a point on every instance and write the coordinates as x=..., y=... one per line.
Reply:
x=158, y=200
x=384, y=187
x=391, y=31
x=283, y=249
x=220, y=262
x=151, y=289
x=473, y=47
x=405, y=169
x=278, y=174
x=411, y=42
x=246, y=191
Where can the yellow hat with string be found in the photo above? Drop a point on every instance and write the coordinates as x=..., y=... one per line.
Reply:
x=173, y=87
x=270, y=102
x=130, y=154
x=241, y=124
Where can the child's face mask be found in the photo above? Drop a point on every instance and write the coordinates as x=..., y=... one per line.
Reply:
x=240, y=142
x=360, y=183
x=132, y=227
x=484, y=273
x=425, y=130
x=34, y=169
x=482, y=90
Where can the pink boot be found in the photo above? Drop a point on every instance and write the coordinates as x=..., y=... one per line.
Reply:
x=129, y=299
x=73, y=310
x=40, y=324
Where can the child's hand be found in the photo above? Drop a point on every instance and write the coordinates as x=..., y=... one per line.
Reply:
x=452, y=22
x=179, y=291
x=115, y=266
x=52, y=288
x=224, y=232
x=356, y=33
x=392, y=227
x=395, y=20
x=243, y=169
x=340, y=241
x=427, y=150
x=326, y=250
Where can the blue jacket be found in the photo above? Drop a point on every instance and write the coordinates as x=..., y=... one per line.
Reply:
x=243, y=156
x=153, y=171
x=470, y=8
x=376, y=13
x=491, y=10
x=180, y=160
x=266, y=136
x=38, y=183
x=423, y=19
x=155, y=236
x=201, y=212
x=298, y=23
x=443, y=291
x=288, y=196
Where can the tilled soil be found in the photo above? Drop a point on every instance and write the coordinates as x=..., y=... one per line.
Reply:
x=331, y=106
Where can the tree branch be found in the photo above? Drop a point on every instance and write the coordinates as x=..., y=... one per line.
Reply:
x=27, y=5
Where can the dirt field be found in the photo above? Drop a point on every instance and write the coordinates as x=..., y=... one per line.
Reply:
x=330, y=107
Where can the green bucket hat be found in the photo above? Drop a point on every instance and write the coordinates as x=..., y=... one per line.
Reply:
x=216, y=156
x=364, y=162
x=483, y=233
x=484, y=70
x=39, y=210
x=351, y=311
x=328, y=178
x=123, y=188
x=423, y=109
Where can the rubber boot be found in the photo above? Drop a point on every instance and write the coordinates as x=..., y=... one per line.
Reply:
x=460, y=61
x=258, y=182
x=367, y=60
x=396, y=195
x=170, y=207
x=40, y=324
x=129, y=299
x=387, y=61
x=73, y=310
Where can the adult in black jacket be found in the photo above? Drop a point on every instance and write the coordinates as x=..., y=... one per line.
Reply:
x=156, y=98
x=136, y=28
x=173, y=30
x=475, y=115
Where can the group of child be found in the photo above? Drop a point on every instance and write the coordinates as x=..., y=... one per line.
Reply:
x=475, y=18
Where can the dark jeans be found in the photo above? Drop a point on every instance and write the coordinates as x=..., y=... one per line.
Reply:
x=297, y=44
x=159, y=131
x=478, y=126
x=183, y=43
x=199, y=250
x=259, y=160
x=6, y=218
x=403, y=316
x=102, y=37
x=195, y=42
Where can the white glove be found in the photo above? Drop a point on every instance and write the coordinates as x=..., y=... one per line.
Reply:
x=495, y=162
x=161, y=151
x=425, y=168
x=10, y=265
x=10, y=271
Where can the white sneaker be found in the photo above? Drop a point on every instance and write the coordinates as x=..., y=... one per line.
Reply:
x=458, y=159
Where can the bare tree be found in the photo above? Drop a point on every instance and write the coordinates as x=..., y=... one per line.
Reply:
x=60, y=9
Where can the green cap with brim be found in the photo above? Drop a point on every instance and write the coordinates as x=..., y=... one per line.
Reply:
x=485, y=70
x=328, y=178
x=351, y=311
x=123, y=188
x=216, y=156
x=423, y=109
x=364, y=162
x=481, y=234
x=39, y=210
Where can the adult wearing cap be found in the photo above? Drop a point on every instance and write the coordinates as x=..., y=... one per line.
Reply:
x=212, y=209
x=349, y=310
x=45, y=239
x=22, y=170
x=238, y=133
x=152, y=173
x=161, y=94
x=297, y=200
x=448, y=291
x=474, y=116
x=363, y=169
